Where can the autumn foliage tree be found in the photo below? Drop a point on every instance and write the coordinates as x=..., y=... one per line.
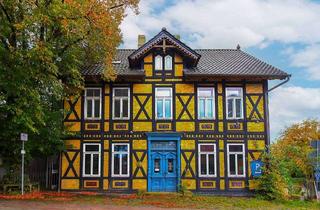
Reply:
x=43, y=44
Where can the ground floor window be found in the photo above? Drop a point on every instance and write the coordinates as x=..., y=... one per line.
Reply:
x=207, y=160
x=236, y=160
x=120, y=160
x=91, y=159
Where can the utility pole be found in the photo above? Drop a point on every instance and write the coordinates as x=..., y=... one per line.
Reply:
x=23, y=138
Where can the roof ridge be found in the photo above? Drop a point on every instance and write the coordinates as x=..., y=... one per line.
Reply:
x=216, y=49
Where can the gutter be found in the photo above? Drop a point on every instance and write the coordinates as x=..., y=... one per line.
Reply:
x=278, y=85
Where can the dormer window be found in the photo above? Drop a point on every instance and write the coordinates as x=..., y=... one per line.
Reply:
x=163, y=63
x=168, y=62
x=158, y=62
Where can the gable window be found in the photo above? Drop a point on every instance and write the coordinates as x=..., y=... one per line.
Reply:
x=168, y=62
x=163, y=103
x=91, y=160
x=120, y=160
x=207, y=160
x=121, y=103
x=92, y=103
x=236, y=160
x=158, y=62
x=234, y=103
x=206, y=103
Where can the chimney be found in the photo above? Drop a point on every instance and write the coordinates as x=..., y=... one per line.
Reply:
x=141, y=40
x=177, y=36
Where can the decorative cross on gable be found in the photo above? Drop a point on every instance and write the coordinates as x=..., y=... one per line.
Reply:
x=164, y=46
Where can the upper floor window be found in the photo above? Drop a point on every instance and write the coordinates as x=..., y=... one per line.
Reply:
x=120, y=160
x=91, y=160
x=163, y=103
x=168, y=62
x=206, y=103
x=158, y=62
x=234, y=103
x=163, y=63
x=92, y=105
x=121, y=103
x=207, y=160
x=236, y=160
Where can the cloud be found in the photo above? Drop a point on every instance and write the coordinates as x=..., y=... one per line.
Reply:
x=309, y=59
x=225, y=23
x=292, y=104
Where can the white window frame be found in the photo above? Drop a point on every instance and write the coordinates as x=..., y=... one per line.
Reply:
x=207, y=159
x=236, y=159
x=84, y=160
x=206, y=98
x=163, y=107
x=121, y=103
x=171, y=64
x=234, y=115
x=120, y=166
x=155, y=63
x=93, y=103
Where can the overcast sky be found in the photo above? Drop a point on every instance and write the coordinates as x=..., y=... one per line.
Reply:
x=284, y=33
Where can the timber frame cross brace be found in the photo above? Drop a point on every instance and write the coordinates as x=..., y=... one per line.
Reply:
x=164, y=46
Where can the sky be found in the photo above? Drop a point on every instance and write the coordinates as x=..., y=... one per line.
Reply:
x=284, y=33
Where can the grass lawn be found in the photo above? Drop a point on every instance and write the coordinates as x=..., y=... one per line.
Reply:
x=166, y=201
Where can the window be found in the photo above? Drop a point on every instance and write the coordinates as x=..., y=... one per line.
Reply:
x=92, y=105
x=234, y=103
x=120, y=160
x=158, y=62
x=163, y=103
x=206, y=103
x=236, y=160
x=168, y=62
x=121, y=103
x=207, y=160
x=91, y=160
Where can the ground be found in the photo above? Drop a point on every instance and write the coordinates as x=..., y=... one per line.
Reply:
x=58, y=201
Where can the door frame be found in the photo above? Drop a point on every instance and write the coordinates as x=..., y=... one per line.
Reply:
x=156, y=136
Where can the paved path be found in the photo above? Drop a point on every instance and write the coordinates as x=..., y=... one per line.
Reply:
x=59, y=205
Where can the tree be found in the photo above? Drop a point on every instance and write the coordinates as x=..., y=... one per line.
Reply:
x=43, y=44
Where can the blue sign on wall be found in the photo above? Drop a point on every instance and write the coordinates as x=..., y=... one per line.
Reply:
x=256, y=168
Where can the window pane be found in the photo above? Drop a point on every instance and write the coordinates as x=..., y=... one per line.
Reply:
x=230, y=108
x=238, y=107
x=87, y=163
x=97, y=108
x=120, y=148
x=211, y=164
x=201, y=108
x=125, y=108
x=232, y=164
x=209, y=106
x=168, y=108
x=163, y=92
x=96, y=92
x=121, y=92
x=168, y=63
x=240, y=165
x=89, y=108
x=91, y=148
x=234, y=92
x=235, y=148
x=205, y=92
x=203, y=163
x=95, y=167
x=158, y=62
x=116, y=164
x=156, y=165
x=90, y=92
x=207, y=148
x=116, y=108
x=124, y=163
x=159, y=108
x=170, y=165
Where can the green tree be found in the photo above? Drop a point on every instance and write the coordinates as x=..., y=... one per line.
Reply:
x=43, y=44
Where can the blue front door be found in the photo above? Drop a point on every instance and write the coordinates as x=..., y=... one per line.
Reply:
x=163, y=167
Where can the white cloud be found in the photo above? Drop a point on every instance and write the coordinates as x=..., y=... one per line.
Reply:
x=308, y=58
x=225, y=23
x=292, y=104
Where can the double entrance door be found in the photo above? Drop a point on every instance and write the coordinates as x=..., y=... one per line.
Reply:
x=163, y=166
